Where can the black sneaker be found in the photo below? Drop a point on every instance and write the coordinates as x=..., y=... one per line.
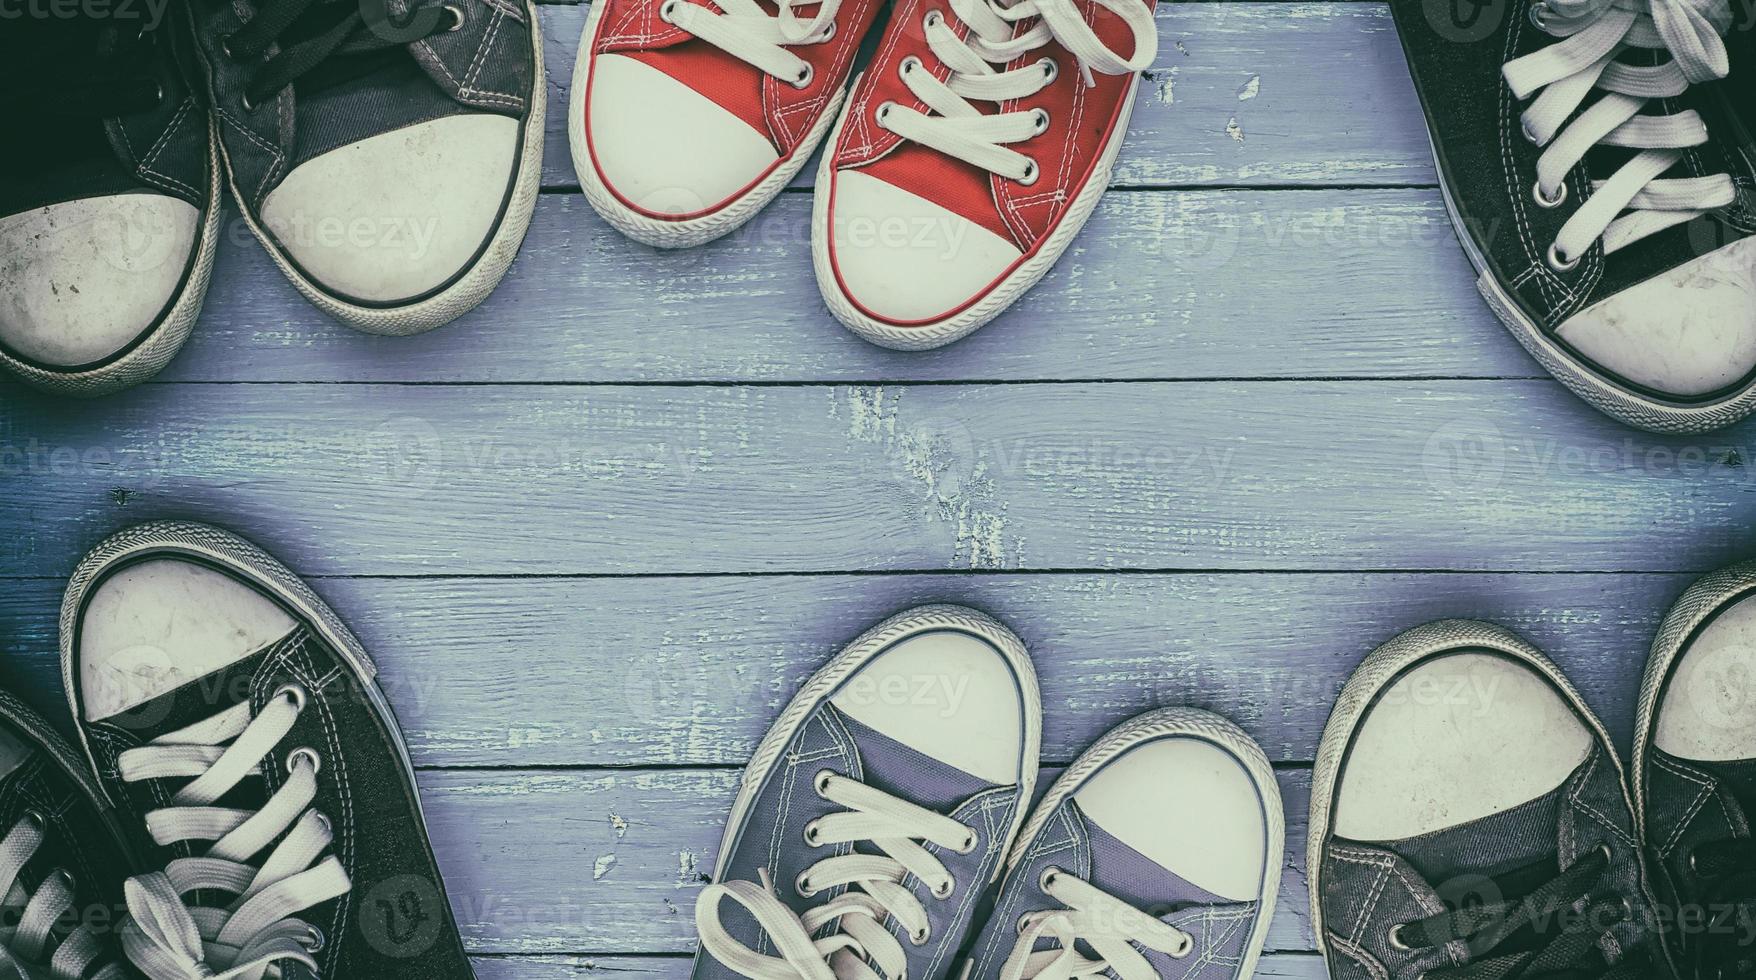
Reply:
x=1469, y=821
x=109, y=195
x=1695, y=774
x=63, y=858
x=237, y=726
x=1611, y=231
x=386, y=152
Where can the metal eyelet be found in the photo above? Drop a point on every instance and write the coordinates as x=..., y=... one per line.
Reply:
x=1031, y=172
x=908, y=66
x=1530, y=137
x=933, y=19
x=309, y=755
x=1051, y=69
x=323, y=818
x=1397, y=940
x=1604, y=849
x=1560, y=198
x=293, y=692
x=248, y=104
x=458, y=18
x=1539, y=15
x=883, y=112
x=828, y=35
x=669, y=10
x=920, y=938
x=1022, y=924
x=1042, y=117
x=314, y=940
x=36, y=817
x=802, y=885
x=811, y=835
x=1046, y=880
x=969, y=844
x=1560, y=264
x=67, y=879
x=821, y=782
x=944, y=892
x=804, y=77
x=225, y=46
x=1185, y=949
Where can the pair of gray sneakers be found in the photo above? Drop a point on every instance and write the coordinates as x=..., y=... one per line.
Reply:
x=884, y=828
x=1471, y=820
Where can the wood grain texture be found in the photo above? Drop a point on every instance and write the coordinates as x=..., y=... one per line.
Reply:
x=1260, y=94
x=568, y=862
x=1161, y=284
x=692, y=671
x=421, y=480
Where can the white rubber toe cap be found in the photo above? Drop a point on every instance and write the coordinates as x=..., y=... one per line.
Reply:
x=905, y=259
x=947, y=695
x=1457, y=738
x=1689, y=332
x=392, y=218
x=155, y=626
x=82, y=280
x=1189, y=805
x=665, y=148
x=1706, y=714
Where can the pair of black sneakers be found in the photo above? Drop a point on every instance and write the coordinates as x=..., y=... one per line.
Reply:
x=386, y=152
x=1471, y=820
x=243, y=805
x=1599, y=163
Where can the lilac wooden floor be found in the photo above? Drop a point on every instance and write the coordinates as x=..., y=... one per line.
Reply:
x=1256, y=422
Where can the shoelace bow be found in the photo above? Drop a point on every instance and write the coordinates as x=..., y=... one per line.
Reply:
x=1594, y=34
x=1552, y=932
x=746, y=31
x=991, y=38
x=29, y=940
x=875, y=892
x=313, y=40
x=170, y=940
x=1728, y=870
x=1105, y=924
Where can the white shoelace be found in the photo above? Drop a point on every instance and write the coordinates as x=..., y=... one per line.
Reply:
x=1102, y=922
x=29, y=941
x=876, y=892
x=169, y=940
x=1594, y=33
x=747, y=32
x=960, y=130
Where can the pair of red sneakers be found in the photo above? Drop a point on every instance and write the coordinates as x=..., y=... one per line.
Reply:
x=972, y=149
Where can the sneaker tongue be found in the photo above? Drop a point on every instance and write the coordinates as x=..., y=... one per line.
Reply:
x=1739, y=777
x=1138, y=880
x=1459, y=858
x=14, y=753
x=907, y=774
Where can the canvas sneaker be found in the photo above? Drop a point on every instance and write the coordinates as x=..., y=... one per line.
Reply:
x=878, y=811
x=387, y=153
x=1587, y=156
x=972, y=151
x=1469, y=820
x=238, y=728
x=689, y=116
x=63, y=858
x=1155, y=856
x=1695, y=774
x=109, y=195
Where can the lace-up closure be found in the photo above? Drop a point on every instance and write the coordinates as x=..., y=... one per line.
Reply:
x=321, y=41
x=1594, y=35
x=875, y=894
x=744, y=30
x=31, y=933
x=171, y=941
x=991, y=37
x=1107, y=925
x=1727, y=870
x=1538, y=926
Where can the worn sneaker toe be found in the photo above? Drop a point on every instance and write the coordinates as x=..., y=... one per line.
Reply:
x=83, y=280
x=392, y=218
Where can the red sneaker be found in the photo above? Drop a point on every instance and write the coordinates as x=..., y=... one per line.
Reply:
x=689, y=116
x=972, y=151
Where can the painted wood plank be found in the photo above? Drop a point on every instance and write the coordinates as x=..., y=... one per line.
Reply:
x=1173, y=285
x=1278, y=966
x=360, y=479
x=1240, y=94
x=692, y=671
x=568, y=862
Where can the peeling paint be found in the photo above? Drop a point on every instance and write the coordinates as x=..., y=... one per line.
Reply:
x=1234, y=130
x=602, y=866
x=1250, y=89
x=687, y=863
x=618, y=825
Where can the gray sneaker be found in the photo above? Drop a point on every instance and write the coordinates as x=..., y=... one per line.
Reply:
x=1469, y=821
x=878, y=810
x=1156, y=855
x=1695, y=774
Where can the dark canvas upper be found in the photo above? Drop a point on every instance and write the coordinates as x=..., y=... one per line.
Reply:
x=1692, y=807
x=428, y=71
x=770, y=837
x=395, y=922
x=1371, y=889
x=1071, y=842
x=100, y=106
x=1456, y=51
